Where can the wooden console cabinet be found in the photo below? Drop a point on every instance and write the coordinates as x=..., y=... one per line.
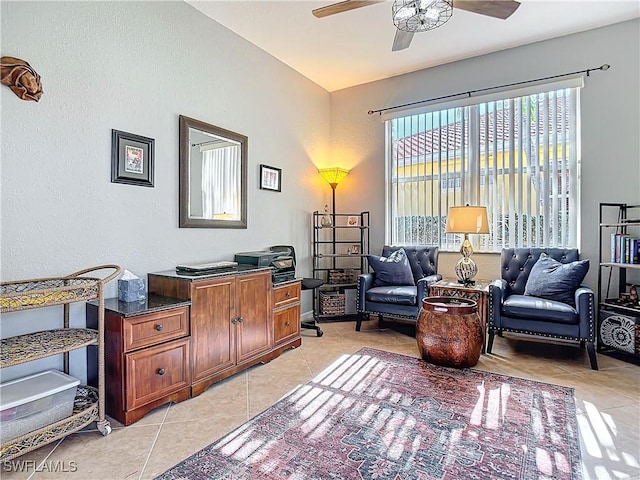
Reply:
x=147, y=355
x=231, y=319
x=190, y=333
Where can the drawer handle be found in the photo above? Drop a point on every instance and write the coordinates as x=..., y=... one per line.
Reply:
x=240, y=319
x=288, y=294
x=161, y=371
x=159, y=327
x=286, y=324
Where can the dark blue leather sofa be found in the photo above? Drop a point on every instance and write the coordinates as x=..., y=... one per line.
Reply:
x=512, y=311
x=401, y=302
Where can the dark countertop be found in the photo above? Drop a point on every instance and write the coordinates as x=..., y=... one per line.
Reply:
x=239, y=269
x=286, y=282
x=153, y=303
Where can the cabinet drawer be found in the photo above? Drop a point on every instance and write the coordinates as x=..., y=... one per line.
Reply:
x=286, y=295
x=157, y=371
x=154, y=328
x=286, y=324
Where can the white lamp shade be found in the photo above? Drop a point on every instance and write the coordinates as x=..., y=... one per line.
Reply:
x=467, y=219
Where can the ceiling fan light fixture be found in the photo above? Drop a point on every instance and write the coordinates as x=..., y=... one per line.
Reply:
x=405, y=12
x=433, y=14
x=421, y=15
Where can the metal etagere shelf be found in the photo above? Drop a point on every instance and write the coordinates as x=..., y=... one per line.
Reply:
x=340, y=248
x=618, y=280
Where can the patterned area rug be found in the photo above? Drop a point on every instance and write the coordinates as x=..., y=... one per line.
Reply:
x=380, y=415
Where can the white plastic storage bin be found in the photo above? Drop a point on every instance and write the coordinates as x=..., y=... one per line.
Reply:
x=33, y=402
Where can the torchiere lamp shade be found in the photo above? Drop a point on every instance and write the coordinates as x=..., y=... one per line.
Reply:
x=333, y=175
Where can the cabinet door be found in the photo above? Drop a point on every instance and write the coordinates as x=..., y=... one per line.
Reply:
x=213, y=335
x=254, y=332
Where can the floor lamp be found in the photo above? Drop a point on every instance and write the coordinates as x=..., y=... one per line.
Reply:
x=467, y=219
x=333, y=175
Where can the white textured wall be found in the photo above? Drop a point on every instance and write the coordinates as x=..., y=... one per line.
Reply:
x=610, y=123
x=136, y=66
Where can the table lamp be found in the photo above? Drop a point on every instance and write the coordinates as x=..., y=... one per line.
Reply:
x=467, y=219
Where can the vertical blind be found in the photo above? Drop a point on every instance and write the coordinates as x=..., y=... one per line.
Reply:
x=517, y=155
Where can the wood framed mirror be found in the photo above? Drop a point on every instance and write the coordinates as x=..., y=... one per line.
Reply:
x=213, y=176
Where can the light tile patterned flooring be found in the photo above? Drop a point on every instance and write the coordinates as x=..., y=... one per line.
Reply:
x=608, y=404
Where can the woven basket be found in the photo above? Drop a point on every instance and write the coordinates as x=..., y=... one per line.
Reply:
x=332, y=303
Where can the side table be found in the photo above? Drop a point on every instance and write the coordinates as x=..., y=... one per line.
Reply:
x=478, y=292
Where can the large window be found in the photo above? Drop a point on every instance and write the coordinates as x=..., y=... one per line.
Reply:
x=518, y=156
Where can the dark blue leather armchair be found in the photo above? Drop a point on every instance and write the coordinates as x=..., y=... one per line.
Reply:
x=512, y=311
x=401, y=302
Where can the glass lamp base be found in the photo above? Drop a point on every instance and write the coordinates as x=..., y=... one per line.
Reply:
x=466, y=270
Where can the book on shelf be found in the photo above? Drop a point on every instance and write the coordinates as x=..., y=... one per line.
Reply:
x=624, y=254
x=625, y=248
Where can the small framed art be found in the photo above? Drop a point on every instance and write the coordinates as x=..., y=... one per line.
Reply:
x=353, y=221
x=270, y=178
x=131, y=159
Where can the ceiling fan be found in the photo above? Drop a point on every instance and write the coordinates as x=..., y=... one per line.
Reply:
x=411, y=16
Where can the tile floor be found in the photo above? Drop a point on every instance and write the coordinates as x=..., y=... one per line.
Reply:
x=608, y=404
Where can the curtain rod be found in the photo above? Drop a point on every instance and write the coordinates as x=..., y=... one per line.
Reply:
x=471, y=92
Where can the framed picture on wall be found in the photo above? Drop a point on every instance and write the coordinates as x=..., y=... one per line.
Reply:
x=131, y=159
x=270, y=178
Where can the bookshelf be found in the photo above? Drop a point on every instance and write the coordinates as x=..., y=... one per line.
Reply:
x=619, y=280
x=340, y=249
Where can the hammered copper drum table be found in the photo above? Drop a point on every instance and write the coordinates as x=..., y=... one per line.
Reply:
x=449, y=331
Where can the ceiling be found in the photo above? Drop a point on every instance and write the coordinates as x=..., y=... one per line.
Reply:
x=354, y=47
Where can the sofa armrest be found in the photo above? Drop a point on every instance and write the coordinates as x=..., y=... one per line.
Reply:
x=431, y=279
x=365, y=282
x=424, y=284
x=497, y=294
x=585, y=305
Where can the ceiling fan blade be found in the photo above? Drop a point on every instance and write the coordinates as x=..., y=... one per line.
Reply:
x=344, y=6
x=402, y=40
x=502, y=9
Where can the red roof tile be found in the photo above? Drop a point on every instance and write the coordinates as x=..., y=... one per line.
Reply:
x=428, y=142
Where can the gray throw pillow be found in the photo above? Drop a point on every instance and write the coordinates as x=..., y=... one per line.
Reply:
x=554, y=280
x=391, y=270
